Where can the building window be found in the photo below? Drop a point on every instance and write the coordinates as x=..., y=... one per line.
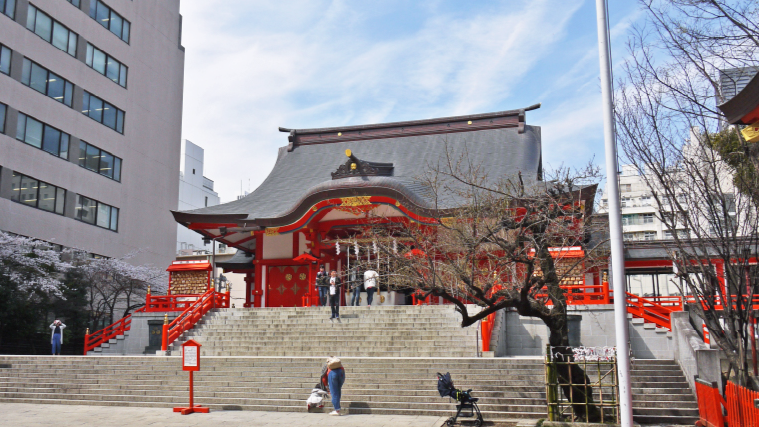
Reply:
x=625, y=188
x=51, y=30
x=645, y=201
x=37, y=194
x=5, y=60
x=97, y=213
x=3, y=109
x=42, y=136
x=628, y=236
x=111, y=20
x=103, y=112
x=46, y=83
x=74, y=2
x=106, y=65
x=649, y=235
x=97, y=160
x=8, y=7
x=206, y=201
x=648, y=218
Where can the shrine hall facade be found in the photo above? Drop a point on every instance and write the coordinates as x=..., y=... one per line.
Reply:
x=326, y=183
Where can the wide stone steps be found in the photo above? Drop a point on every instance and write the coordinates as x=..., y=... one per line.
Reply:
x=270, y=359
x=378, y=386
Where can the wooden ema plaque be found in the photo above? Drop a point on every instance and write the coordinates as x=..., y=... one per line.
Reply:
x=191, y=363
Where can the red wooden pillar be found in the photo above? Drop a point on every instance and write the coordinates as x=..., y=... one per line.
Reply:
x=258, y=275
x=249, y=279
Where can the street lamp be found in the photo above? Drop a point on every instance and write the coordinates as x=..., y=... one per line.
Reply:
x=615, y=221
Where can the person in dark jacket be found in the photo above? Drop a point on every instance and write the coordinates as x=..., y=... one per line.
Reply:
x=334, y=284
x=322, y=286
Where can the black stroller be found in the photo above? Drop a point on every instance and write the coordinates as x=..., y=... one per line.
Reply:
x=467, y=407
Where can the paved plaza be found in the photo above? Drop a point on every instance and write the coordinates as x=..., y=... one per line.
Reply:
x=27, y=415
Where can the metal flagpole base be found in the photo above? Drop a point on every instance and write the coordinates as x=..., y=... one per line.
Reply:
x=187, y=411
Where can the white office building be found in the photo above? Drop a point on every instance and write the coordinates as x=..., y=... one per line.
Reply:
x=195, y=192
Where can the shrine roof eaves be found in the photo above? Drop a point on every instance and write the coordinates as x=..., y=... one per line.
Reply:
x=743, y=108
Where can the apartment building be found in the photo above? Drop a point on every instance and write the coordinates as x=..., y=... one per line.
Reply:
x=90, y=124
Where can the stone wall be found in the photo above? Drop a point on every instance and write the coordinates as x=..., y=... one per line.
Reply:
x=514, y=335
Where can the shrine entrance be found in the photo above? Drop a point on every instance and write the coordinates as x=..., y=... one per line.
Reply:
x=286, y=285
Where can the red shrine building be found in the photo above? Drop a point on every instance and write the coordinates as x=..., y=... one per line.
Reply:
x=327, y=182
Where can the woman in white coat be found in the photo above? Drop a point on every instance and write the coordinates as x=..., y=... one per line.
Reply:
x=57, y=328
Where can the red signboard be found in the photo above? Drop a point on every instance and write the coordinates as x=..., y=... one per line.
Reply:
x=191, y=356
x=191, y=362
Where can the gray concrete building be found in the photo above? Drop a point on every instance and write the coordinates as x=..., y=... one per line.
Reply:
x=90, y=124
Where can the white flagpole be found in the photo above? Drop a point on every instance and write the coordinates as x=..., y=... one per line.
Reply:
x=615, y=221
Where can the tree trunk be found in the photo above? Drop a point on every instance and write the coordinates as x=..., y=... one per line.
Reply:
x=580, y=393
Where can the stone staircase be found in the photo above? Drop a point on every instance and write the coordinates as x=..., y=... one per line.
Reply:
x=270, y=359
x=389, y=331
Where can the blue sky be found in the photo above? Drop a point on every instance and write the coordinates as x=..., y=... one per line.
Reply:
x=252, y=66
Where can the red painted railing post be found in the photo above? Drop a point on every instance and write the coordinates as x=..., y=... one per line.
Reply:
x=86, y=340
x=165, y=336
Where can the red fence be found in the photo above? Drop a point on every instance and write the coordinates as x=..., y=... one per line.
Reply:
x=710, y=404
x=96, y=339
x=190, y=316
x=738, y=404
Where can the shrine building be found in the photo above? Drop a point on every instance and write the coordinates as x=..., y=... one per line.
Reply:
x=326, y=182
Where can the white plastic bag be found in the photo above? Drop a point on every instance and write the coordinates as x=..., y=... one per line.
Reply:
x=316, y=399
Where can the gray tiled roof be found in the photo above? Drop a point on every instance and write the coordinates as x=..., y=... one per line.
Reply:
x=306, y=171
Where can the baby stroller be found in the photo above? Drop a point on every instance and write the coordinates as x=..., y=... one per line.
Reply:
x=467, y=407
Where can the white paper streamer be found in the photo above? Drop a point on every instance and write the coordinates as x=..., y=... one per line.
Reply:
x=337, y=248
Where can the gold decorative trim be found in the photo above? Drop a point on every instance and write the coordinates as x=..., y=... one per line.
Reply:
x=355, y=201
x=448, y=221
x=397, y=203
x=271, y=231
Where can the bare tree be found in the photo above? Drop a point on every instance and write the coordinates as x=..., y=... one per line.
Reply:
x=504, y=247
x=670, y=128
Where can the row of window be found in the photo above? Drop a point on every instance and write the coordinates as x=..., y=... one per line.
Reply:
x=46, y=82
x=42, y=136
x=638, y=219
x=97, y=160
x=8, y=7
x=5, y=60
x=51, y=30
x=103, y=112
x=56, y=142
x=97, y=213
x=41, y=195
x=74, y=2
x=2, y=117
x=111, y=20
x=106, y=65
x=37, y=194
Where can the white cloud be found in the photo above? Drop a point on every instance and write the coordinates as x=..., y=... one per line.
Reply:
x=252, y=68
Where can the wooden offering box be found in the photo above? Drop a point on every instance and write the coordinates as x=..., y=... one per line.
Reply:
x=189, y=277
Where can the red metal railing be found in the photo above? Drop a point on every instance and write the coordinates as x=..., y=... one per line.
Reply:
x=652, y=311
x=160, y=303
x=192, y=314
x=96, y=339
x=739, y=402
x=710, y=404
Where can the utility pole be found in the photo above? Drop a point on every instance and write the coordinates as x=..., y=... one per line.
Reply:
x=615, y=221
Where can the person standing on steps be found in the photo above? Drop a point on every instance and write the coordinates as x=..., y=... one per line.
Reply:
x=334, y=285
x=356, y=286
x=322, y=286
x=370, y=284
x=57, y=340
